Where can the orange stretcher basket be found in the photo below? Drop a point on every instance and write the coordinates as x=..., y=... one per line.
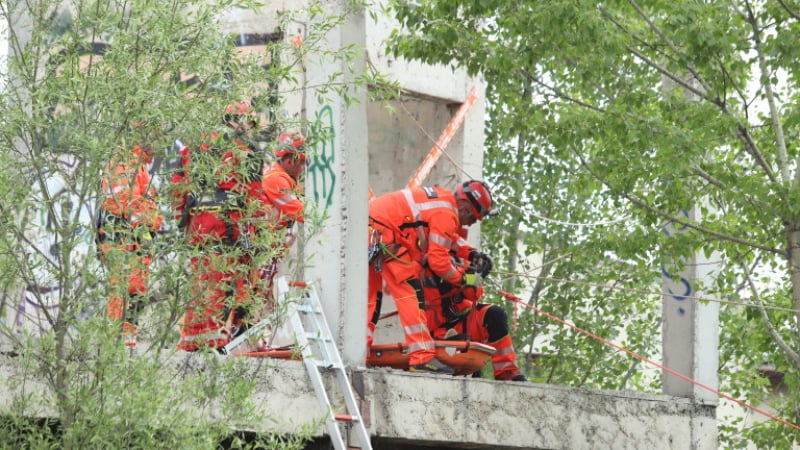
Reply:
x=273, y=353
x=465, y=357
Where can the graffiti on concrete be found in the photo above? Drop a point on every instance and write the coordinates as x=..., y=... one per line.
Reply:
x=38, y=302
x=33, y=311
x=676, y=287
x=321, y=175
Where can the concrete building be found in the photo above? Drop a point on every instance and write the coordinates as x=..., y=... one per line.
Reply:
x=374, y=148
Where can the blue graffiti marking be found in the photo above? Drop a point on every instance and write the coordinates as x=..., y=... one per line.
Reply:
x=679, y=296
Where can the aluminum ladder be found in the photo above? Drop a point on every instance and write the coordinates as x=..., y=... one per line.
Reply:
x=320, y=355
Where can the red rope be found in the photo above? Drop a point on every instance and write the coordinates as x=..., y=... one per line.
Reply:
x=517, y=301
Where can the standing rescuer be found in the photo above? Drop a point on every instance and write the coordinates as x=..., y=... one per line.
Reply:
x=127, y=220
x=218, y=197
x=408, y=227
x=281, y=185
x=281, y=180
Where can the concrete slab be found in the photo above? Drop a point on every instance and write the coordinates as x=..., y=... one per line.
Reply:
x=414, y=410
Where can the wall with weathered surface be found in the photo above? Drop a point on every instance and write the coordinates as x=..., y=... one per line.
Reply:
x=410, y=410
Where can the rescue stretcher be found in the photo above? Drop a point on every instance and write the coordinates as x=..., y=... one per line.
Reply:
x=465, y=357
x=278, y=353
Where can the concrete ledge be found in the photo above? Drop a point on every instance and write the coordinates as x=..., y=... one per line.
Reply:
x=405, y=410
x=491, y=414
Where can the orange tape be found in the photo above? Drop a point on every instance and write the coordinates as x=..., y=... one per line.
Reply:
x=433, y=156
x=444, y=139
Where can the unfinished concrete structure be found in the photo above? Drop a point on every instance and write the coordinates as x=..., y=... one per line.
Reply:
x=373, y=148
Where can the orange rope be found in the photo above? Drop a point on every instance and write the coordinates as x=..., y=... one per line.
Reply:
x=517, y=301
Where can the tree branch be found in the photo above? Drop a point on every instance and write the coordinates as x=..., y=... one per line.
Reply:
x=675, y=219
x=708, y=177
x=742, y=133
x=692, y=71
x=770, y=327
x=791, y=13
x=559, y=93
x=780, y=141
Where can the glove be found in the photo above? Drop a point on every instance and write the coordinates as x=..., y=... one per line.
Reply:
x=145, y=240
x=471, y=288
x=481, y=262
x=462, y=307
x=472, y=294
x=470, y=278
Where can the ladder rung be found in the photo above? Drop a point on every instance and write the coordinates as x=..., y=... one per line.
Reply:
x=345, y=418
x=328, y=366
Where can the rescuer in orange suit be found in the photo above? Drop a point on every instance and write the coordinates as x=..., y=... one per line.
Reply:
x=128, y=217
x=219, y=197
x=281, y=180
x=454, y=313
x=407, y=227
x=281, y=185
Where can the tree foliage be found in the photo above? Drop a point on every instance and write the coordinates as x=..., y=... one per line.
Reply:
x=79, y=81
x=606, y=119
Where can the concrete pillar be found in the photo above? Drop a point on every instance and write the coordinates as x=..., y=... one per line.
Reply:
x=337, y=180
x=3, y=52
x=691, y=334
x=5, y=345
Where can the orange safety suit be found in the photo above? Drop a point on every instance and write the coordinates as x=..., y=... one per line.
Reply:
x=413, y=224
x=219, y=197
x=450, y=316
x=283, y=192
x=128, y=216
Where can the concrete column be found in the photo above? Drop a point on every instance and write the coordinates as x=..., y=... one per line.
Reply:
x=5, y=345
x=337, y=180
x=690, y=328
x=691, y=334
x=3, y=52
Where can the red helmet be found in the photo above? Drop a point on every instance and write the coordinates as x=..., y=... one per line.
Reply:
x=144, y=153
x=241, y=111
x=478, y=195
x=291, y=144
